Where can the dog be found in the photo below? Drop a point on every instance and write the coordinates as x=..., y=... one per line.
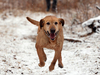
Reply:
x=94, y=26
x=50, y=35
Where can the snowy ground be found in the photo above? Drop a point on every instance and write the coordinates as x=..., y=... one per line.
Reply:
x=18, y=55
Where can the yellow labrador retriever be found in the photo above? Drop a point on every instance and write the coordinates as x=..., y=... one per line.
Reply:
x=50, y=35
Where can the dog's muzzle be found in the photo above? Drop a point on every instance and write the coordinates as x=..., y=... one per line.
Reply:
x=98, y=29
x=52, y=35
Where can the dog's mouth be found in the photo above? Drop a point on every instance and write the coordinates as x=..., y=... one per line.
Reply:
x=52, y=36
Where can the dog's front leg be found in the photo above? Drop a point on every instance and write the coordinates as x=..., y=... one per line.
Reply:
x=41, y=55
x=60, y=64
x=57, y=56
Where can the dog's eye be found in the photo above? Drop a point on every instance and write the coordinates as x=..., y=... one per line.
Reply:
x=48, y=23
x=56, y=23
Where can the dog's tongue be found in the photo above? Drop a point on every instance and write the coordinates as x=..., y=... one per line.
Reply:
x=52, y=36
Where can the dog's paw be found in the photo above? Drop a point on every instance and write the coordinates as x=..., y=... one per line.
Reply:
x=60, y=65
x=41, y=64
x=51, y=68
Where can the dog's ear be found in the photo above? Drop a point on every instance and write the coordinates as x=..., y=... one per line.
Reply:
x=61, y=21
x=41, y=23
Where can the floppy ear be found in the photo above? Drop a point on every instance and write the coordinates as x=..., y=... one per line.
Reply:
x=61, y=21
x=41, y=23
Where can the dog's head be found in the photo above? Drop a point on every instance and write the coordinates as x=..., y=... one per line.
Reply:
x=93, y=24
x=96, y=26
x=51, y=26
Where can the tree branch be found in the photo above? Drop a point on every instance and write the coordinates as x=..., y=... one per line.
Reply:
x=98, y=7
x=72, y=40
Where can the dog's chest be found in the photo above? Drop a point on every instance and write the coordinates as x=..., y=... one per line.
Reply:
x=51, y=45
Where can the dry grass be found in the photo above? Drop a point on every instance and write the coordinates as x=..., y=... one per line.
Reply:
x=81, y=10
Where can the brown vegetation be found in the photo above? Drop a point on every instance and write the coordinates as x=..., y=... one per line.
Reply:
x=81, y=10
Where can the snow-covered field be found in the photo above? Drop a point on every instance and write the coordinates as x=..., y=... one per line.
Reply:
x=18, y=55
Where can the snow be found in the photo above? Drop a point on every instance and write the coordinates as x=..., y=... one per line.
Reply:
x=90, y=21
x=18, y=55
x=95, y=21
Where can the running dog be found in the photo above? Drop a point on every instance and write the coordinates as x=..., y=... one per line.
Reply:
x=50, y=35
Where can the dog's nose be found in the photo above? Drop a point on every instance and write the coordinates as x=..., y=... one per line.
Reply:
x=52, y=30
x=94, y=29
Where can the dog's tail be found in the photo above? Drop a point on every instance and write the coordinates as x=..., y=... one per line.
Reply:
x=33, y=21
